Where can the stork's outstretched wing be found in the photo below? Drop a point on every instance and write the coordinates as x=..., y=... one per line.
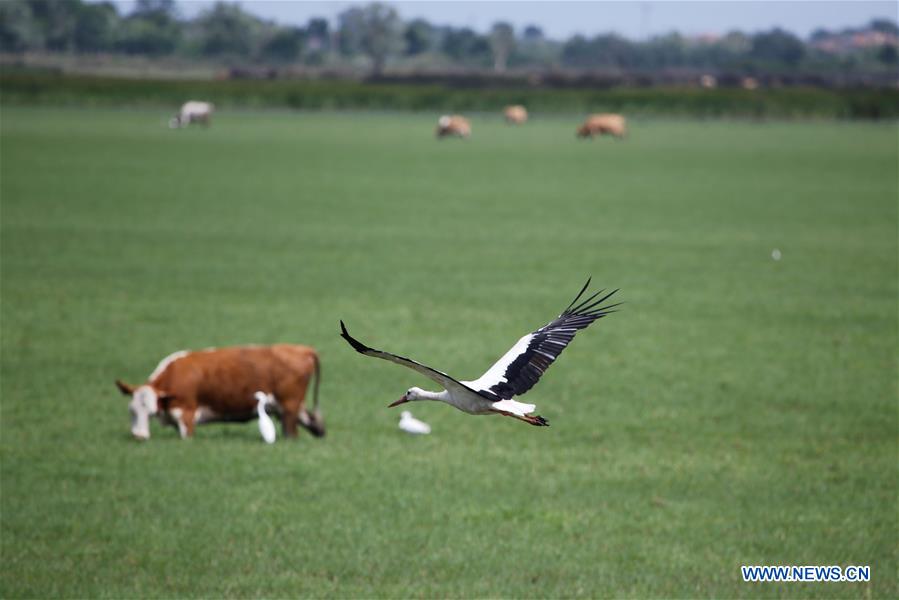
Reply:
x=521, y=367
x=442, y=378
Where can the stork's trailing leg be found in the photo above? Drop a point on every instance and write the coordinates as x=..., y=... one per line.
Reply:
x=536, y=420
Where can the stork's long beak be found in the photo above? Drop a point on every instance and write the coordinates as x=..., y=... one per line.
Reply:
x=402, y=400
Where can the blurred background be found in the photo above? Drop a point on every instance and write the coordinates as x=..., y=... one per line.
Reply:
x=440, y=55
x=739, y=409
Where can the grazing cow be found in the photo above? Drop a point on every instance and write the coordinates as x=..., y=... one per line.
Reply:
x=188, y=388
x=749, y=83
x=515, y=115
x=193, y=112
x=453, y=125
x=708, y=81
x=601, y=124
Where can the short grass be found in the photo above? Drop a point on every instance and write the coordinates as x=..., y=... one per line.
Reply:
x=738, y=410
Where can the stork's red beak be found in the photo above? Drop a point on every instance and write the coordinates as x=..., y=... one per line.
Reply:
x=402, y=400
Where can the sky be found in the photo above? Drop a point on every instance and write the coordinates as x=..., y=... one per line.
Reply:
x=634, y=18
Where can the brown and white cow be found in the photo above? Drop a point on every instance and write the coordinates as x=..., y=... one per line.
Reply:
x=601, y=124
x=515, y=114
x=453, y=125
x=188, y=388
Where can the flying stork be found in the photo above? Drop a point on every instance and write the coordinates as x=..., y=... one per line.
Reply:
x=514, y=374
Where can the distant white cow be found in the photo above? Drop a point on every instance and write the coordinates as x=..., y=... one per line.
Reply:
x=193, y=112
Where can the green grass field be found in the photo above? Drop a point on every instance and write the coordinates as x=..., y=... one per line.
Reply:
x=737, y=411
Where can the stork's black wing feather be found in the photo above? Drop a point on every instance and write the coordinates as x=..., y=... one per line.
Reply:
x=440, y=377
x=523, y=365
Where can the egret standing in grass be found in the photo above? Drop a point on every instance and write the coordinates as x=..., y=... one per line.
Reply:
x=514, y=374
x=410, y=424
x=266, y=427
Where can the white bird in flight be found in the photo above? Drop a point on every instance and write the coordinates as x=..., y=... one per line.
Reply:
x=266, y=426
x=512, y=375
x=410, y=424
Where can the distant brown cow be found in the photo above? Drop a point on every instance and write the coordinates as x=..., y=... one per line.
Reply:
x=515, y=115
x=601, y=124
x=453, y=125
x=188, y=388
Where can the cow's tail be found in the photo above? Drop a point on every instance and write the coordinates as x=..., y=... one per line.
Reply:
x=317, y=373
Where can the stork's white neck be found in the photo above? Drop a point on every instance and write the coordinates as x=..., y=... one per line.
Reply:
x=420, y=394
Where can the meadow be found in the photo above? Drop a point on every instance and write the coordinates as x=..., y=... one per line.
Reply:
x=738, y=410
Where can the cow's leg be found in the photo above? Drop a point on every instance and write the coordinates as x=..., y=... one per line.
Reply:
x=290, y=410
x=289, y=422
x=292, y=402
x=189, y=423
x=184, y=421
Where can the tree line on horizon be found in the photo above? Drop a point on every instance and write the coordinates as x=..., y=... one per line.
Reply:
x=374, y=36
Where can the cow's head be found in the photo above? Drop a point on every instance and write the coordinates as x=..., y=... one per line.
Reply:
x=175, y=122
x=145, y=402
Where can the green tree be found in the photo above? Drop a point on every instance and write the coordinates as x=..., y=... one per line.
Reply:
x=56, y=20
x=285, y=45
x=614, y=50
x=318, y=41
x=318, y=34
x=577, y=52
x=502, y=43
x=19, y=30
x=820, y=34
x=419, y=37
x=374, y=29
x=226, y=30
x=535, y=49
x=884, y=26
x=888, y=55
x=661, y=51
x=466, y=46
x=736, y=43
x=95, y=27
x=160, y=12
x=777, y=46
x=152, y=28
x=350, y=30
x=532, y=33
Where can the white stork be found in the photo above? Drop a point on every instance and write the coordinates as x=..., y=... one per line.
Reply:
x=512, y=375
